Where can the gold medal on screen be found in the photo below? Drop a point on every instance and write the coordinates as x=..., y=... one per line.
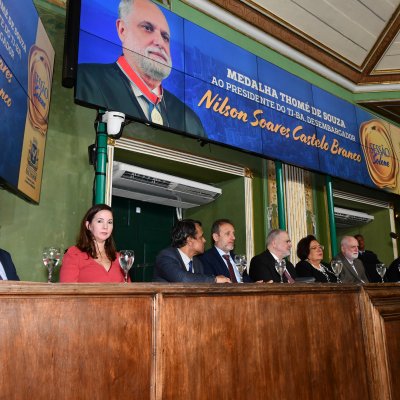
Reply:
x=39, y=87
x=156, y=116
x=379, y=153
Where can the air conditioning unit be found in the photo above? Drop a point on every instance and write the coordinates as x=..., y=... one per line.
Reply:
x=345, y=218
x=155, y=187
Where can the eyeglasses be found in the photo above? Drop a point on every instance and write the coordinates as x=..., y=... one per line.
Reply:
x=321, y=247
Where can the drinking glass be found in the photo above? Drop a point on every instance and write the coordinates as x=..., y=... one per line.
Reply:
x=241, y=264
x=337, y=267
x=126, y=259
x=280, y=267
x=381, y=270
x=51, y=258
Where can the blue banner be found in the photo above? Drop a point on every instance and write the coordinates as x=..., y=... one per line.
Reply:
x=26, y=67
x=219, y=91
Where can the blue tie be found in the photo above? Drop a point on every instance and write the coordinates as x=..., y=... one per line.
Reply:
x=191, y=266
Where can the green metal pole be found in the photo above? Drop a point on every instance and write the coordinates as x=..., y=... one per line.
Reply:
x=331, y=214
x=280, y=195
x=101, y=160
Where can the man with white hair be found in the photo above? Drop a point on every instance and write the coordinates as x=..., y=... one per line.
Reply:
x=262, y=266
x=353, y=269
x=133, y=84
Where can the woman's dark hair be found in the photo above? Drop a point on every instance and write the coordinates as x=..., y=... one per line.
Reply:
x=303, y=247
x=182, y=230
x=85, y=240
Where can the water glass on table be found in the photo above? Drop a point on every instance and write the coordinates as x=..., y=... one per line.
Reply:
x=126, y=259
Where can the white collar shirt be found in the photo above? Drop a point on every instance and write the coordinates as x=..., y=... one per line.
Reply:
x=235, y=270
x=186, y=260
x=3, y=272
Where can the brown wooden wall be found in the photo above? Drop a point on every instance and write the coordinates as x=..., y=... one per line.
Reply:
x=149, y=341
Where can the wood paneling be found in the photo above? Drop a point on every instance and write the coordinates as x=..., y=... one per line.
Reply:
x=289, y=345
x=382, y=327
x=58, y=346
x=175, y=341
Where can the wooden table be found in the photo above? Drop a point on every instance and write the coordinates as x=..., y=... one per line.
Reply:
x=174, y=341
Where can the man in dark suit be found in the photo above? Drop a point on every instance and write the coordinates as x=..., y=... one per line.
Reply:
x=353, y=269
x=393, y=271
x=179, y=263
x=133, y=84
x=262, y=266
x=369, y=260
x=219, y=260
x=7, y=268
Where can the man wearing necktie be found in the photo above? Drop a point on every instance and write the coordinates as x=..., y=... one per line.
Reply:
x=219, y=259
x=133, y=84
x=262, y=266
x=353, y=269
x=179, y=263
x=369, y=260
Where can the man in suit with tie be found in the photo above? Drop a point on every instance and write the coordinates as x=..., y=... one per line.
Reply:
x=133, y=84
x=7, y=268
x=353, y=269
x=179, y=263
x=369, y=260
x=219, y=260
x=262, y=266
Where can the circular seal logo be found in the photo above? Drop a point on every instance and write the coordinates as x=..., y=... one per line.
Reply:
x=379, y=153
x=39, y=86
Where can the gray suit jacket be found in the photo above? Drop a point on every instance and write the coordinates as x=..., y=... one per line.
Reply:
x=348, y=274
x=170, y=268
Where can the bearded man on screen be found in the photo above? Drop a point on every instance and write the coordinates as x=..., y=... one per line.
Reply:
x=133, y=84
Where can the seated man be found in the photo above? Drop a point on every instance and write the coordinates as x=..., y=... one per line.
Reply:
x=393, y=272
x=262, y=266
x=353, y=269
x=369, y=260
x=178, y=262
x=219, y=260
x=7, y=268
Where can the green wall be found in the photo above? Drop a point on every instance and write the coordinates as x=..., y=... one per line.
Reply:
x=229, y=205
x=376, y=235
x=67, y=178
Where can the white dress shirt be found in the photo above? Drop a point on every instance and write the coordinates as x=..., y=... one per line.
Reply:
x=235, y=270
x=186, y=260
x=3, y=273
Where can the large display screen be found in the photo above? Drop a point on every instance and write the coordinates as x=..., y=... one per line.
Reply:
x=161, y=69
x=26, y=70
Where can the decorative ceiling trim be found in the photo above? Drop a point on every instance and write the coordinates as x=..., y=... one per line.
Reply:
x=382, y=44
x=388, y=109
x=271, y=25
x=245, y=20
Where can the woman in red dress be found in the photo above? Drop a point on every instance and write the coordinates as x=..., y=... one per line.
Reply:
x=94, y=258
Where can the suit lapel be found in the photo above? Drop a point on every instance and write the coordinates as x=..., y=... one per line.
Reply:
x=349, y=268
x=222, y=268
x=178, y=255
x=271, y=266
x=136, y=108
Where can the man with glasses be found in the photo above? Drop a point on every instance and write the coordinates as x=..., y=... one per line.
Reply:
x=353, y=269
x=262, y=266
x=179, y=263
